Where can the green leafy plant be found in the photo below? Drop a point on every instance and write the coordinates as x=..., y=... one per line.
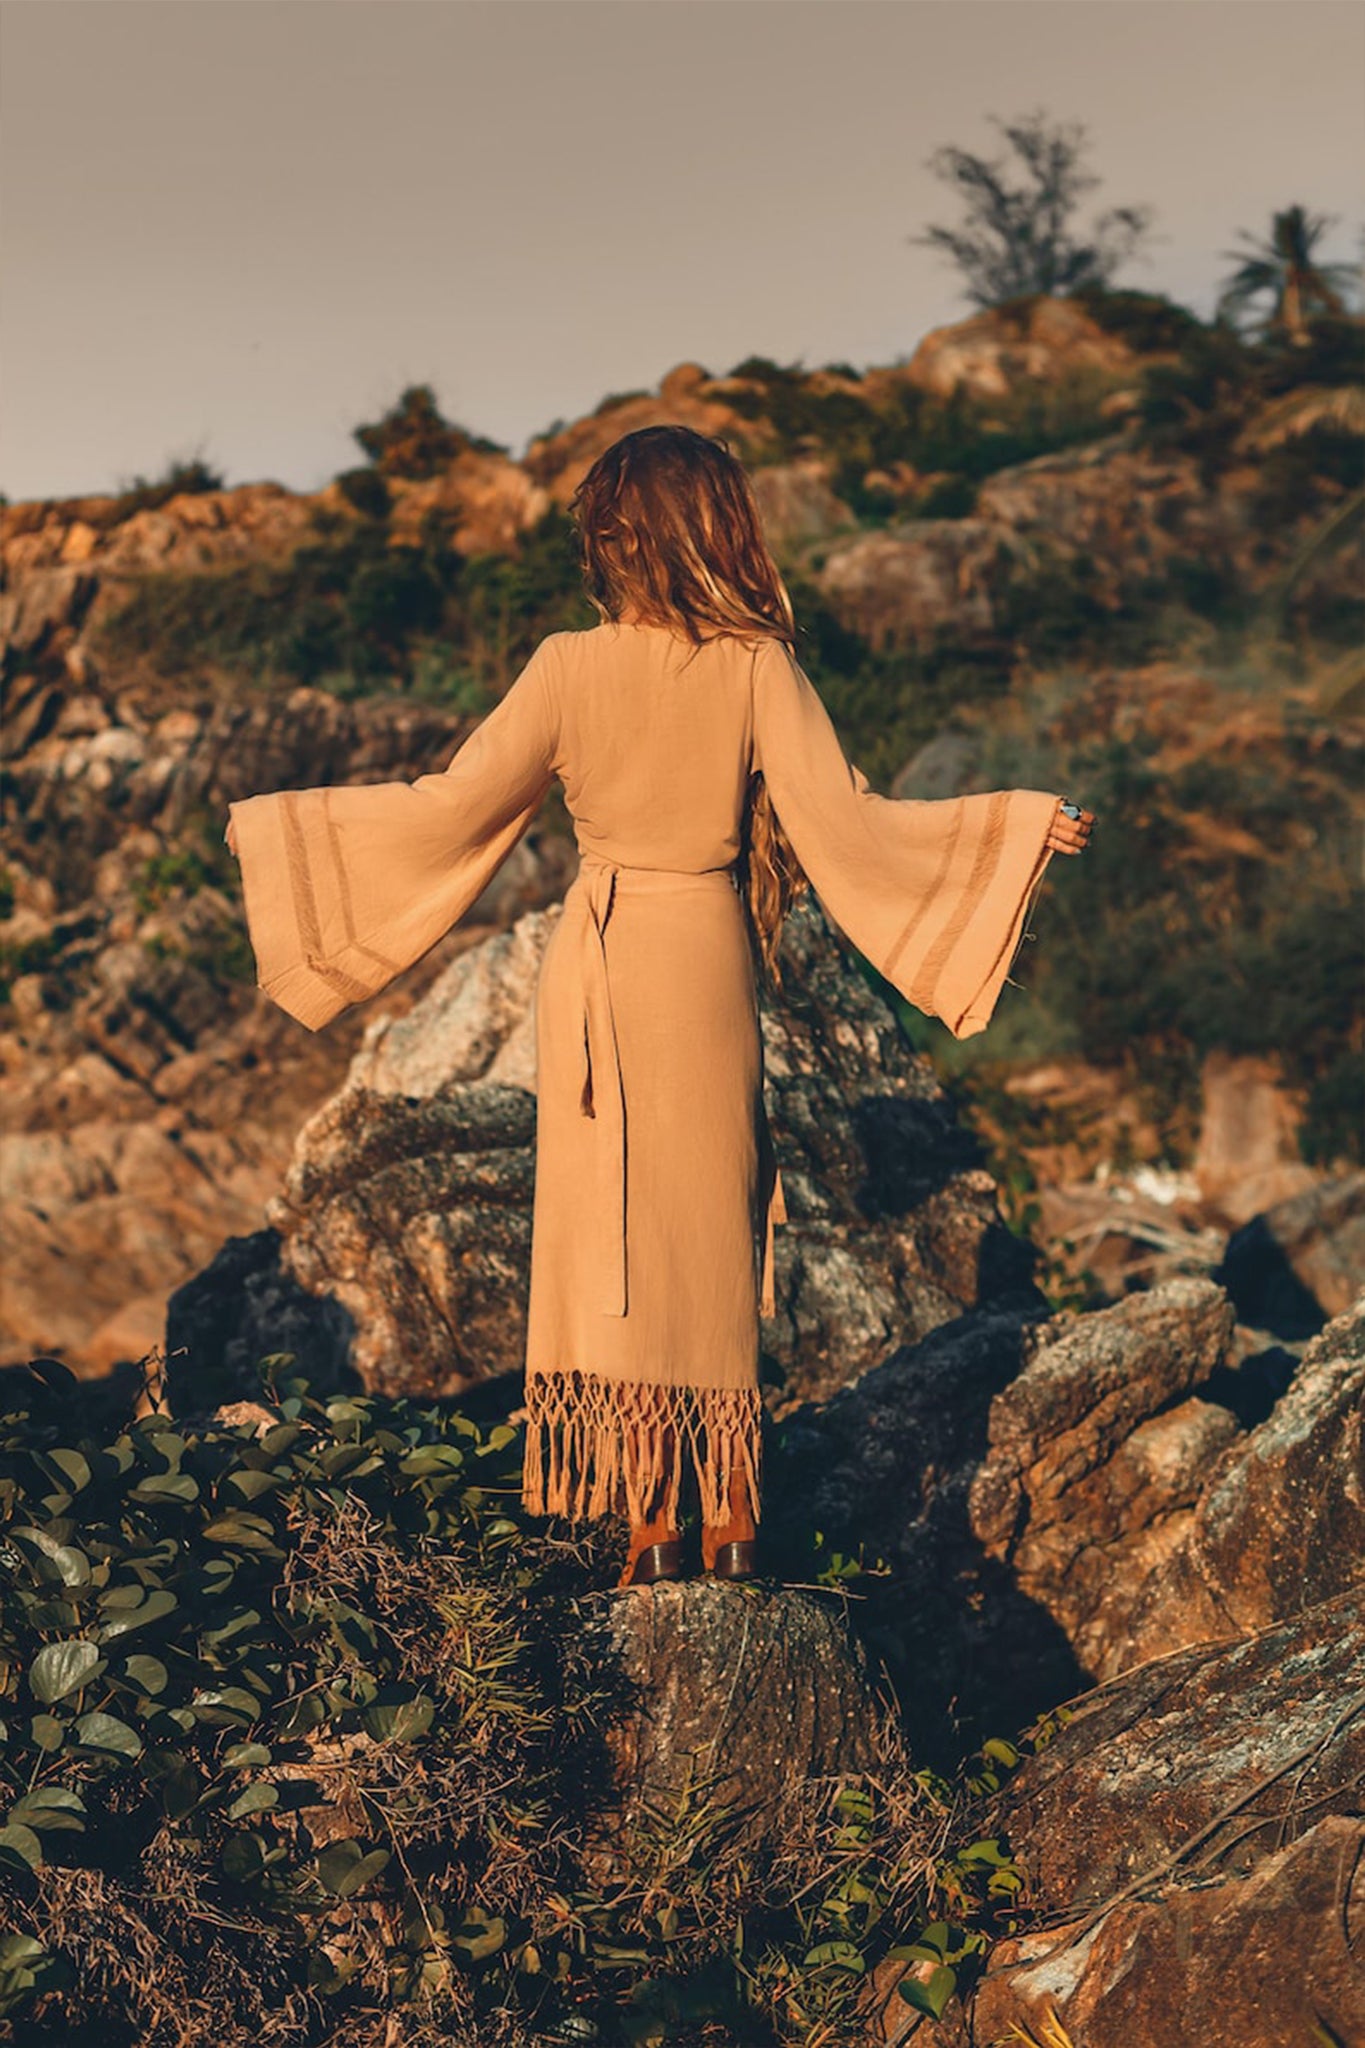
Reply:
x=299, y=1704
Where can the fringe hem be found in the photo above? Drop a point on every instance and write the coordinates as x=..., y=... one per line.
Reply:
x=598, y=1446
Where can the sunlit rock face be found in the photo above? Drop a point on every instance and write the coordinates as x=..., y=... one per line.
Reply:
x=1227, y=1775
x=408, y=1196
x=149, y=1094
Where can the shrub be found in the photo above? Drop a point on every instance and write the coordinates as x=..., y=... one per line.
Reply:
x=181, y=870
x=969, y=436
x=37, y=955
x=413, y=440
x=300, y=1732
x=350, y=612
x=1149, y=322
x=367, y=491
x=144, y=495
x=1150, y=961
x=1307, y=473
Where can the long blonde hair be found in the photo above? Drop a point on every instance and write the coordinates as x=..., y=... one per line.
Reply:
x=668, y=527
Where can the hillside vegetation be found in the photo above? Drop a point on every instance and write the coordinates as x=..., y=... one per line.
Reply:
x=1066, y=530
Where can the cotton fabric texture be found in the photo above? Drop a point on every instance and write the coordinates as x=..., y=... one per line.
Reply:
x=657, y=1189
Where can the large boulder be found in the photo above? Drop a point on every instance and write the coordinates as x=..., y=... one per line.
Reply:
x=1039, y=339
x=96, y=766
x=408, y=1198
x=798, y=504
x=1209, y=1757
x=1271, y=1959
x=901, y=587
x=1016, y=1474
x=1095, y=1454
x=1124, y=511
x=1279, y=1522
x=894, y=1223
x=1193, y=1837
x=1057, y=1499
x=1249, y=1157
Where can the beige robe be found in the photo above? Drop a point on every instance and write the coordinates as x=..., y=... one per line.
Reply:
x=656, y=1187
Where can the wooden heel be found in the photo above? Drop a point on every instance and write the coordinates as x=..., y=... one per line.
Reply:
x=658, y=1561
x=736, y=1561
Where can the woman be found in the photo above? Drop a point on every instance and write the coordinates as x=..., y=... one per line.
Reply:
x=708, y=790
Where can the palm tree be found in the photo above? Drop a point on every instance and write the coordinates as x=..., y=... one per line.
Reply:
x=1284, y=265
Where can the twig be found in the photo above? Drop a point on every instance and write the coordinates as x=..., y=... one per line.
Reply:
x=1348, y=1879
x=1210, y=1827
x=1264, y=1819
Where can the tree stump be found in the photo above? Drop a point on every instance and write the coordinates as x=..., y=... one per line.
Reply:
x=732, y=1693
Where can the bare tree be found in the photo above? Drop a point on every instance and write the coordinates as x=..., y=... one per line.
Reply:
x=1017, y=238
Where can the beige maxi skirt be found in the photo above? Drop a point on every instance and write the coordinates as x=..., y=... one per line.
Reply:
x=655, y=1195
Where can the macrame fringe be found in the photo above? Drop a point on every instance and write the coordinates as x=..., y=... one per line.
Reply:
x=597, y=1446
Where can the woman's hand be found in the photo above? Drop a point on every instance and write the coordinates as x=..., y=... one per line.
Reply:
x=230, y=840
x=1070, y=835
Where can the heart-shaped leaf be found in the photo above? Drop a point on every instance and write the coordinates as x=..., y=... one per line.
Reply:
x=343, y=1867
x=478, y=1936
x=400, y=1720
x=105, y=1735
x=20, y=1849
x=929, y=1994
x=154, y=1605
x=62, y=1668
x=148, y=1672
x=255, y=1799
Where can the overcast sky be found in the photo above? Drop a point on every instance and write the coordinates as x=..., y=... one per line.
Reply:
x=238, y=228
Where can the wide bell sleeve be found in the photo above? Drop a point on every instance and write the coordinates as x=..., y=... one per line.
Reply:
x=936, y=894
x=346, y=888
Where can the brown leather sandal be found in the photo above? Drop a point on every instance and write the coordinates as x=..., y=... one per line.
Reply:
x=738, y=1560
x=658, y=1561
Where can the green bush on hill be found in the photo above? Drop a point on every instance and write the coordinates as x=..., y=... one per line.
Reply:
x=352, y=612
x=413, y=440
x=967, y=436
x=144, y=494
x=1200, y=403
x=1148, y=322
x=1218, y=907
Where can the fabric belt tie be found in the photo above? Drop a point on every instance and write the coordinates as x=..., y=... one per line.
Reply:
x=603, y=1093
x=603, y=1098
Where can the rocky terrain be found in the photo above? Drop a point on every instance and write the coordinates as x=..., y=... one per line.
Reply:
x=150, y=1095
x=1148, y=1506
x=1152, y=1513
x=1191, y=1834
x=1068, y=1452
x=150, y=1098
